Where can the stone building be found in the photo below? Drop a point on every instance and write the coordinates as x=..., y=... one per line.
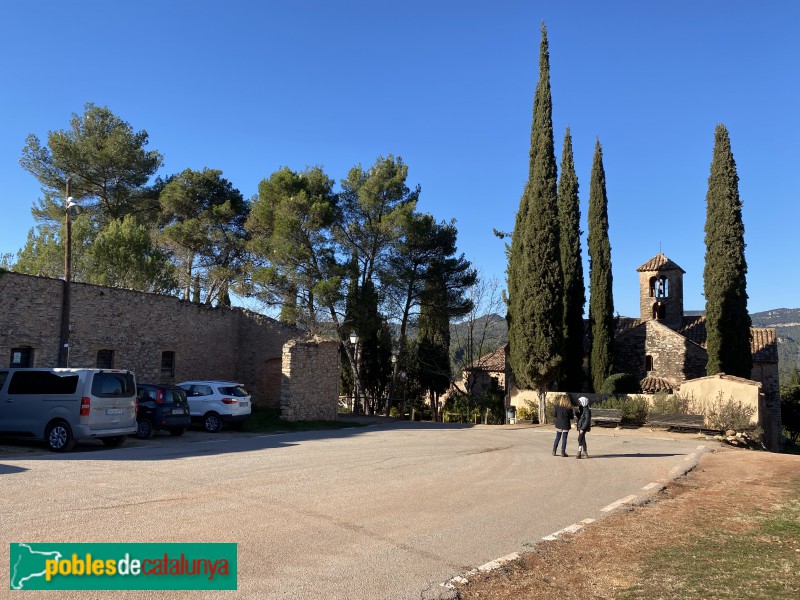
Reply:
x=665, y=348
x=163, y=339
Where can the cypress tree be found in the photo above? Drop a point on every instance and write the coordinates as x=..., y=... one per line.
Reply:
x=569, y=217
x=724, y=275
x=535, y=308
x=601, y=301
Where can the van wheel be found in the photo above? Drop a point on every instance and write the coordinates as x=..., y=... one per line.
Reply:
x=212, y=422
x=114, y=441
x=59, y=438
x=176, y=431
x=145, y=429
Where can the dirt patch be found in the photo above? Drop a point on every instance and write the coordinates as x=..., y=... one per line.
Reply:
x=608, y=559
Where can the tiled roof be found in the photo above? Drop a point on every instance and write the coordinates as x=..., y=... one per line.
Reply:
x=763, y=340
x=660, y=263
x=653, y=385
x=494, y=362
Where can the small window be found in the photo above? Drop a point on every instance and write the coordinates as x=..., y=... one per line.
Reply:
x=168, y=364
x=21, y=358
x=648, y=363
x=105, y=359
x=659, y=310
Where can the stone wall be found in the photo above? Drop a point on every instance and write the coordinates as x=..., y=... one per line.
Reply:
x=306, y=394
x=208, y=343
x=674, y=356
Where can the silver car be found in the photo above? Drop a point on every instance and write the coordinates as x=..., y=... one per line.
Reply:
x=62, y=406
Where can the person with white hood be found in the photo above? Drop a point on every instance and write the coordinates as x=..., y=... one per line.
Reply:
x=583, y=425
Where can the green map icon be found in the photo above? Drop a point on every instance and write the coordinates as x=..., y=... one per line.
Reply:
x=28, y=566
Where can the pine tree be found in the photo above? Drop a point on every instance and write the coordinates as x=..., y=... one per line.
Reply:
x=569, y=217
x=724, y=276
x=535, y=310
x=433, y=344
x=601, y=301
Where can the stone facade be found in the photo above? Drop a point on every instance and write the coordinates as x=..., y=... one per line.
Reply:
x=304, y=395
x=162, y=339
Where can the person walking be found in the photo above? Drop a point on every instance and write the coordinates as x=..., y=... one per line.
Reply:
x=583, y=425
x=563, y=423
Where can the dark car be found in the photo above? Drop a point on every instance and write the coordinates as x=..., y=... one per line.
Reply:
x=161, y=407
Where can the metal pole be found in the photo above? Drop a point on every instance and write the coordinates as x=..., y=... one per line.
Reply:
x=63, y=359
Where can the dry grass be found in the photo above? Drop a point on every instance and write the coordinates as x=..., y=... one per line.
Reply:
x=729, y=529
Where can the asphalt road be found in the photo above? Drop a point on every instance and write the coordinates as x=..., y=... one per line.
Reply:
x=370, y=513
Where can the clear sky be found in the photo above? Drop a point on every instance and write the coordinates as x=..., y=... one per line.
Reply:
x=249, y=87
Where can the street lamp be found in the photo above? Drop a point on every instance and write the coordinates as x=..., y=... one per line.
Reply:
x=354, y=342
x=71, y=210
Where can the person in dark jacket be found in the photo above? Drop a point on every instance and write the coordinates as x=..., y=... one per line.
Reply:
x=583, y=425
x=563, y=423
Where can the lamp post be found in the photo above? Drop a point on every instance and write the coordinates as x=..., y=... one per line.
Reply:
x=390, y=395
x=354, y=342
x=71, y=210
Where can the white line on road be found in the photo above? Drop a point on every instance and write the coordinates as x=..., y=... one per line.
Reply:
x=618, y=503
x=575, y=528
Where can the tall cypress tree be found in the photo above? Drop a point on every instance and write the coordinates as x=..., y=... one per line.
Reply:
x=569, y=217
x=601, y=301
x=535, y=309
x=724, y=275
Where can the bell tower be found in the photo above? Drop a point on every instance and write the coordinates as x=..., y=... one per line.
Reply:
x=661, y=291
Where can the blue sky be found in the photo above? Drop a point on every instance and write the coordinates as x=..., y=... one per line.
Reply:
x=249, y=87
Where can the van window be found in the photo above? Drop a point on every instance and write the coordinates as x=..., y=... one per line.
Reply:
x=3, y=377
x=42, y=382
x=113, y=385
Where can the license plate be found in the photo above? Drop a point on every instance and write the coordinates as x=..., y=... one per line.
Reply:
x=177, y=411
x=244, y=404
x=114, y=411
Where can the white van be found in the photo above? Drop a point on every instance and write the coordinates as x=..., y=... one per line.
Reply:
x=62, y=406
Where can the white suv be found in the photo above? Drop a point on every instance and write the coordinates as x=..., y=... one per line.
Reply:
x=213, y=403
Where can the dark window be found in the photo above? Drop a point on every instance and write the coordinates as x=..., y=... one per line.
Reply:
x=42, y=382
x=21, y=358
x=113, y=385
x=659, y=310
x=234, y=390
x=175, y=396
x=168, y=364
x=652, y=286
x=648, y=363
x=3, y=377
x=105, y=359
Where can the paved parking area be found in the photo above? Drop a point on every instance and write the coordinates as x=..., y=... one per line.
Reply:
x=386, y=511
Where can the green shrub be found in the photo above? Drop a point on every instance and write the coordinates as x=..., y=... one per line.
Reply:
x=621, y=383
x=670, y=404
x=728, y=414
x=525, y=412
x=634, y=410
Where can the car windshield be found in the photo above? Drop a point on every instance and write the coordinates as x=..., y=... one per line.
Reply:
x=234, y=390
